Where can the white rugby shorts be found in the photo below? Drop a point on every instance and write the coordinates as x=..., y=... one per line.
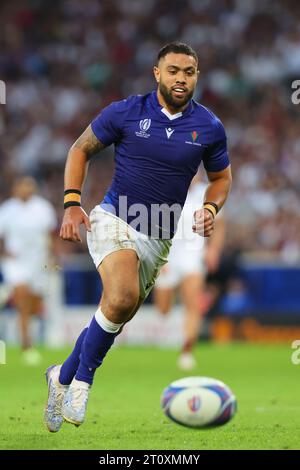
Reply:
x=109, y=233
x=19, y=272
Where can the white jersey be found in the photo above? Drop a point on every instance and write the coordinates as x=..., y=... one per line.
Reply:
x=185, y=237
x=187, y=250
x=25, y=228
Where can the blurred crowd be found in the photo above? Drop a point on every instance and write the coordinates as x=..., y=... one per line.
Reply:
x=63, y=61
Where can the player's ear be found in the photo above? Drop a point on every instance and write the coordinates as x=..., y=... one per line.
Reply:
x=156, y=73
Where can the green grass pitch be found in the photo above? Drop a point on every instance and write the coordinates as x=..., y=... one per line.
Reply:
x=124, y=407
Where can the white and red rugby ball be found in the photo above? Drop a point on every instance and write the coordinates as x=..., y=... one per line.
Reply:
x=198, y=402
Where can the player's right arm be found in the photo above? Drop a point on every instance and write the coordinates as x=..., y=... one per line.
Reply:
x=76, y=168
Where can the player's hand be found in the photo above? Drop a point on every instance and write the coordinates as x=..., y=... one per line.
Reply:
x=74, y=216
x=204, y=223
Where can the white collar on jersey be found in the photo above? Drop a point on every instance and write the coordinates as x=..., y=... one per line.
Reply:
x=169, y=115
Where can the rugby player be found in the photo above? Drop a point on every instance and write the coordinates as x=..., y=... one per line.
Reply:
x=188, y=262
x=27, y=225
x=160, y=140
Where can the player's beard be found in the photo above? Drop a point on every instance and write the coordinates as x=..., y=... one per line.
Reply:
x=170, y=100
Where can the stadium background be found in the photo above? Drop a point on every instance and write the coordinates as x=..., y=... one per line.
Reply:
x=62, y=62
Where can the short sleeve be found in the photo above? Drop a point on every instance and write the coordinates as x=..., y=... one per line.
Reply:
x=216, y=156
x=107, y=126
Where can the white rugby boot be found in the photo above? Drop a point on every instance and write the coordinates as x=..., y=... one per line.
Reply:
x=56, y=393
x=75, y=402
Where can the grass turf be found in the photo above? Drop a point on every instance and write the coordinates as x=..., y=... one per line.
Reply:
x=124, y=410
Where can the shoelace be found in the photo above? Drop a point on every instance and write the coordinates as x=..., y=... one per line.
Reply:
x=58, y=402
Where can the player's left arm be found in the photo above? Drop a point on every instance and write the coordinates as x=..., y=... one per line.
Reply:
x=215, y=197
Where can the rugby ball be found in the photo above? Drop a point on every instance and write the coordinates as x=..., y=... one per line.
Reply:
x=198, y=402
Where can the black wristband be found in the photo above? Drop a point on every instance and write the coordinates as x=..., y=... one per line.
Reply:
x=71, y=203
x=212, y=204
x=207, y=209
x=68, y=191
x=72, y=197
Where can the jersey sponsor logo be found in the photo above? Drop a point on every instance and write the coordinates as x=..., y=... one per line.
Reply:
x=194, y=135
x=169, y=132
x=144, y=126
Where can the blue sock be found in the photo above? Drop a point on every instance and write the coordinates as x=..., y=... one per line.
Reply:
x=96, y=344
x=70, y=366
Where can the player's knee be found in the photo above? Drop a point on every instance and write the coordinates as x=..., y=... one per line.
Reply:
x=123, y=303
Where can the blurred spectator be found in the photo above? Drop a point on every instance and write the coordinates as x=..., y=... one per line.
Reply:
x=27, y=222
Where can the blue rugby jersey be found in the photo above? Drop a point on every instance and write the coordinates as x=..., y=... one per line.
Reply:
x=156, y=157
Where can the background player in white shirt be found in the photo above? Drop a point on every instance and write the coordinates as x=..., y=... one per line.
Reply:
x=26, y=223
x=189, y=258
